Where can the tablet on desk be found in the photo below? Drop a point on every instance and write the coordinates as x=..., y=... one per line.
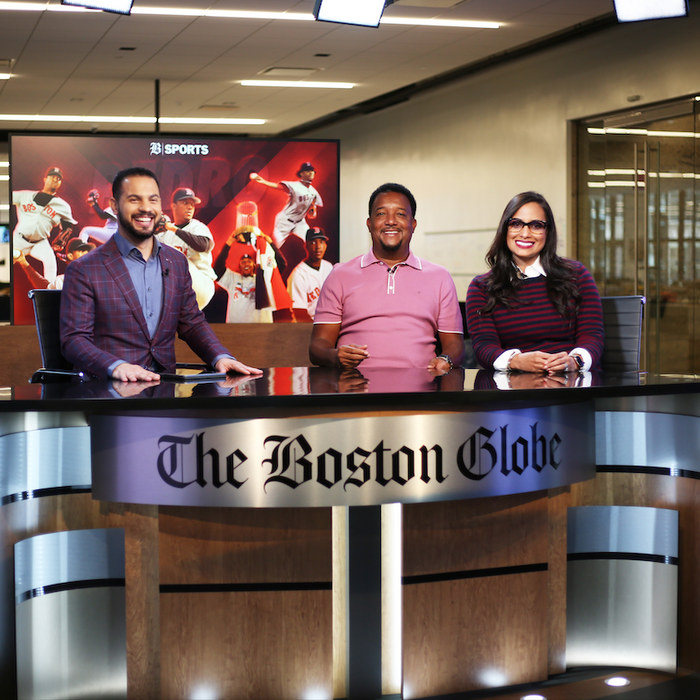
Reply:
x=193, y=377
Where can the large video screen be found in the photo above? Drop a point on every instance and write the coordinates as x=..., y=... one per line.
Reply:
x=260, y=195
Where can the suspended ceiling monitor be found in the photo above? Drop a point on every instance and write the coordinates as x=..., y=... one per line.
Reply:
x=122, y=7
x=365, y=13
x=638, y=10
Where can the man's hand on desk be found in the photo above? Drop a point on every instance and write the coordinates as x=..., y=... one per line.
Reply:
x=133, y=373
x=228, y=364
x=350, y=356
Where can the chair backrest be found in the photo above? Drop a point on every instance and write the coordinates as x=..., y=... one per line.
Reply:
x=622, y=319
x=47, y=312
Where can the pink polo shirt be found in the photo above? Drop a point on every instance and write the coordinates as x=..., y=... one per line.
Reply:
x=397, y=312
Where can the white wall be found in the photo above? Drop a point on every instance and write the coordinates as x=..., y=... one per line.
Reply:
x=466, y=149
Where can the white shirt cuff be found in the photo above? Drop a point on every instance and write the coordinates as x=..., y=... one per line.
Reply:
x=587, y=359
x=501, y=362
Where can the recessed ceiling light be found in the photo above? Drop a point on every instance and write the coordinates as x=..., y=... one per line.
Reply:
x=617, y=682
x=533, y=697
x=296, y=83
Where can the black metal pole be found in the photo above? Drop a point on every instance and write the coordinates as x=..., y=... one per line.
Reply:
x=157, y=106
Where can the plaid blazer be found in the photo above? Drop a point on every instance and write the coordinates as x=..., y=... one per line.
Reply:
x=102, y=320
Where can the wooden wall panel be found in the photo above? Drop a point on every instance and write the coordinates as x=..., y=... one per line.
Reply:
x=260, y=344
x=247, y=646
x=245, y=545
x=474, y=633
x=257, y=344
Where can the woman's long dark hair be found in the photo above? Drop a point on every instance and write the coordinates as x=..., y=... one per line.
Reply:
x=503, y=282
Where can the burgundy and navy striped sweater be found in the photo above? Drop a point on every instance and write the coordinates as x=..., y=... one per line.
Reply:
x=532, y=322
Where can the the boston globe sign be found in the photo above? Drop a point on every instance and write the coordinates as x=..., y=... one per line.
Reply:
x=287, y=462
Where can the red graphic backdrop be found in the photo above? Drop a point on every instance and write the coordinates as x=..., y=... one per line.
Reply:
x=217, y=170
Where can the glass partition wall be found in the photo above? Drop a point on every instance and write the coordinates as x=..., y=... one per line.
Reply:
x=637, y=180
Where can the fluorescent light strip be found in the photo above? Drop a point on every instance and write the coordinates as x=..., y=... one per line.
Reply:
x=223, y=14
x=75, y=119
x=454, y=23
x=644, y=132
x=296, y=83
x=243, y=14
x=5, y=76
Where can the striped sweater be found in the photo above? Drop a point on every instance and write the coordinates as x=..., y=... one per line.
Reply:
x=532, y=322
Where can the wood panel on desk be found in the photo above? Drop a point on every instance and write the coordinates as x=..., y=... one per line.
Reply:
x=142, y=602
x=257, y=344
x=476, y=633
x=480, y=533
x=247, y=645
x=454, y=631
x=245, y=545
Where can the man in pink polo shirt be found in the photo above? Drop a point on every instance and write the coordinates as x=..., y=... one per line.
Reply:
x=388, y=308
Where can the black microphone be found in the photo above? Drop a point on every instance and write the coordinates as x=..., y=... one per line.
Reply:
x=166, y=272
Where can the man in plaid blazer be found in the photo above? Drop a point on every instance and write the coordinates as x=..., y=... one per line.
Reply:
x=123, y=303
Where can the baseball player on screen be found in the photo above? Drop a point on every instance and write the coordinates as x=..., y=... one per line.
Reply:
x=38, y=213
x=193, y=239
x=303, y=199
x=99, y=234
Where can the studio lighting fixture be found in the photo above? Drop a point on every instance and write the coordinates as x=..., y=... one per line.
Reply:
x=617, y=682
x=121, y=7
x=639, y=10
x=365, y=13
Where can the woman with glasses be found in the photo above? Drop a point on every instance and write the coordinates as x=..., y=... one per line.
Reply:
x=533, y=311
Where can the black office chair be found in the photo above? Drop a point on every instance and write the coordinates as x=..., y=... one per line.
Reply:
x=622, y=319
x=47, y=312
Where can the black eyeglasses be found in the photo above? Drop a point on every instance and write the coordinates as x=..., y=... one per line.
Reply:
x=535, y=226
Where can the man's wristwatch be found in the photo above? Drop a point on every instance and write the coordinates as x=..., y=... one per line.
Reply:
x=579, y=362
x=447, y=359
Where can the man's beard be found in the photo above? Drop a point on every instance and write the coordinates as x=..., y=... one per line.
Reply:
x=390, y=247
x=127, y=226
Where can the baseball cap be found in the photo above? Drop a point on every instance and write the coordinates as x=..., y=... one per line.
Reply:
x=75, y=245
x=305, y=166
x=246, y=255
x=315, y=232
x=185, y=193
x=54, y=171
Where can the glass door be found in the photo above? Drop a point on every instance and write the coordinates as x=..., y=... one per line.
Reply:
x=636, y=210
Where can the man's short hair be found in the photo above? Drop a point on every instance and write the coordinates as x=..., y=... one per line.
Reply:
x=130, y=172
x=393, y=187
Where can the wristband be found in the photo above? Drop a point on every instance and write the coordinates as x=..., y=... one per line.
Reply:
x=447, y=359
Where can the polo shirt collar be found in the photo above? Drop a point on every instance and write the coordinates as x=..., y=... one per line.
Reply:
x=370, y=258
